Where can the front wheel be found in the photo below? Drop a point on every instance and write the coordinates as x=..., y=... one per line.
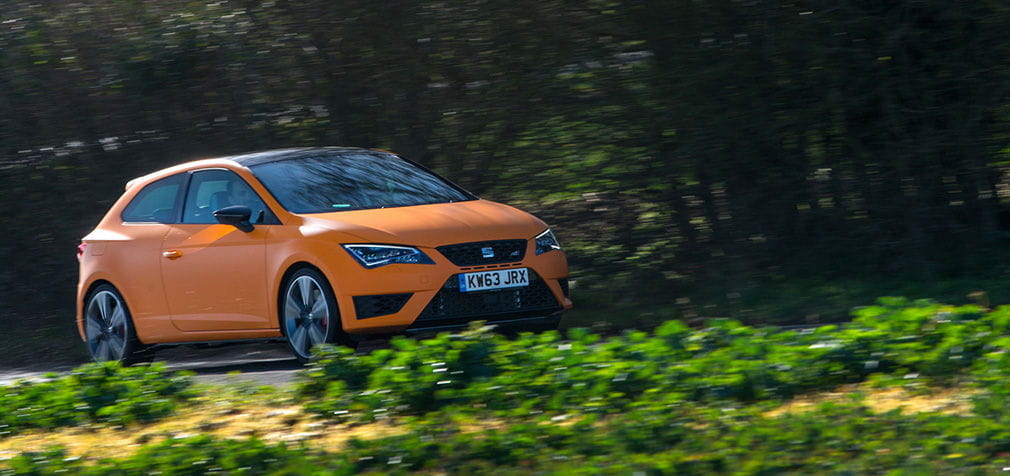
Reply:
x=309, y=314
x=108, y=329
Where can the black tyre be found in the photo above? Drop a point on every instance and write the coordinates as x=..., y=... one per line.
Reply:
x=108, y=329
x=309, y=313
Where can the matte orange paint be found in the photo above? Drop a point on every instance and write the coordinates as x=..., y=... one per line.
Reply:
x=191, y=282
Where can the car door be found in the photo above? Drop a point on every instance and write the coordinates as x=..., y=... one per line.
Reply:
x=215, y=274
x=132, y=250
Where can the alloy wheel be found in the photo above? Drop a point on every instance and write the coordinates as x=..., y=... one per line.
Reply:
x=106, y=326
x=306, y=315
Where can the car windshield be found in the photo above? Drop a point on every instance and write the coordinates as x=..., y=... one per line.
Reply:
x=353, y=181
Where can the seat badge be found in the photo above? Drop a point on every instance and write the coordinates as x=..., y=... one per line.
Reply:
x=487, y=252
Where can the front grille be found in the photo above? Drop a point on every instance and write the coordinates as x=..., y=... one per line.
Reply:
x=484, y=252
x=379, y=305
x=450, y=306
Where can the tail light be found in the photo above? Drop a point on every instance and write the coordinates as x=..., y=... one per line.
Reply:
x=80, y=250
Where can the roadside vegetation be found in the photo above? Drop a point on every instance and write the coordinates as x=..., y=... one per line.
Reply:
x=776, y=162
x=906, y=386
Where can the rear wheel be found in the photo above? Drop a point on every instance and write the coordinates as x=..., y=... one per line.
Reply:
x=309, y=314
x=108, y=329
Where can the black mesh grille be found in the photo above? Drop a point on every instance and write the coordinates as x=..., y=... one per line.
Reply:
x=379, y=305
x=450, y=306
x=484, y=252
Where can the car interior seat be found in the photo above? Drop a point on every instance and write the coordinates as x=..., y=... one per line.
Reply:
x=219, y=200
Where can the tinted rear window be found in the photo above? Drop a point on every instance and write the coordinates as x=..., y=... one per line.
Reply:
x=157, y=202
x=353, y=181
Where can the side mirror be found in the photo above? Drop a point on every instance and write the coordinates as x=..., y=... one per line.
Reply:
x=235, y=215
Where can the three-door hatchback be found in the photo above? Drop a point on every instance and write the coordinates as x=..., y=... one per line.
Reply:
x=310, y=245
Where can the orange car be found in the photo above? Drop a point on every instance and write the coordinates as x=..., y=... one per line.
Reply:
x=312, y=245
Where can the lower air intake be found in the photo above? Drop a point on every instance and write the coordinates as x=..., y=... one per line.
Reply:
x=379, y=305
x=451, y=307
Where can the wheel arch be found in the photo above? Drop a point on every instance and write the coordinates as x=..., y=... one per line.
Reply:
x=134, y=350
x=82, y=303
x=282, y=283
x=95, y=284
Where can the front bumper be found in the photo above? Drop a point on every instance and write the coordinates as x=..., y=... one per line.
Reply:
x=450, y=306
x=401, y=305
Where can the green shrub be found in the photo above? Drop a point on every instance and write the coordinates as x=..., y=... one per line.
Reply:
x=536, y=373
x=195, y=456
x=103, y=392
x=677, y=401
x=836, y=438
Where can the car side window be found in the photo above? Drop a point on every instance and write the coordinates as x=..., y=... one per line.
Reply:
x=156, y=203
x=211, y=190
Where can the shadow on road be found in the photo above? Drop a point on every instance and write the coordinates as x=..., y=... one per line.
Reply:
x=260, y=363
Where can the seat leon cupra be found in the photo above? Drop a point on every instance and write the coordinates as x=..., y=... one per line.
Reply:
x=309, y=245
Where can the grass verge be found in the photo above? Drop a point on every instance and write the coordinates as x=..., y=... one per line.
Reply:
x=907, y=386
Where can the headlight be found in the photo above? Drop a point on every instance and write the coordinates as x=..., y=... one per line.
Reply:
x=547, y=242
x=373, y=256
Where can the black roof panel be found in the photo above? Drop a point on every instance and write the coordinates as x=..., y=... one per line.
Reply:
x=258, y=158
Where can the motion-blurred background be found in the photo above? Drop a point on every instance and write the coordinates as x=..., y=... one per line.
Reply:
x=771, y=161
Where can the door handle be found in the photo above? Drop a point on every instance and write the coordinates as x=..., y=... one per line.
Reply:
x=172, y=254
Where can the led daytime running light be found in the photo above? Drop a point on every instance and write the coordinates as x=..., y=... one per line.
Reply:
x=374, y=256
x=546, y=241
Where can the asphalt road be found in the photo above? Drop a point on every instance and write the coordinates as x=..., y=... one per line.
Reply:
x=262, y=363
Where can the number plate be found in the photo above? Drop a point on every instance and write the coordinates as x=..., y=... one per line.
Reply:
x=497, y=279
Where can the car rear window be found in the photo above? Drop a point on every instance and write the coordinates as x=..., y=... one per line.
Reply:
x=158, y=202
x=353, y=181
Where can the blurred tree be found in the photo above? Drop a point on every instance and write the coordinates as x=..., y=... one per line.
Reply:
x=675, y=143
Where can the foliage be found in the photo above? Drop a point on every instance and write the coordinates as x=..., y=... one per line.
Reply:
x=693, y=149
x=674, y=438
x=677, y=401
x=188, y=456
x=99, y=392
x=544, y=373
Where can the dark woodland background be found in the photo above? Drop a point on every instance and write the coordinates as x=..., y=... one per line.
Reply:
x=772, y=161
